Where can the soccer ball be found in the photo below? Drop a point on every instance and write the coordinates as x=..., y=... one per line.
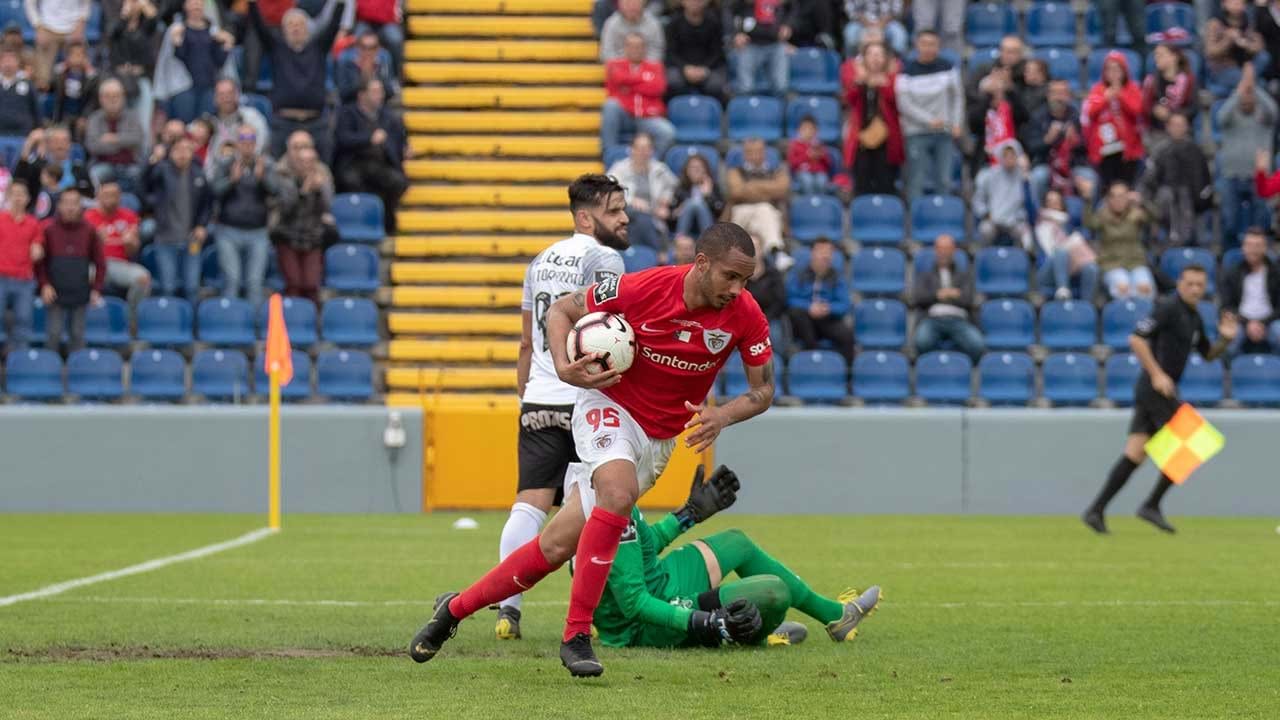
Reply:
x=607, y=334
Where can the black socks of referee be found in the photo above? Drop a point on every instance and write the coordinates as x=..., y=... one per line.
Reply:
x=1120, y=473
x=1157, y=492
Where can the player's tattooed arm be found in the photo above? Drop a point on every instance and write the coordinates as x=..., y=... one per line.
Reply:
x=763, y=395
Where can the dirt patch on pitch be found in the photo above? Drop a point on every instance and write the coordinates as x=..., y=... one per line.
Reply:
x=118, y=653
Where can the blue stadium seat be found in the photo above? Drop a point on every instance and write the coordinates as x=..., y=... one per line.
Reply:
x=1165, y=16
x=158, y=375
x=299, y=320
x=814, y=71
x=1007, y=378
x=93, y=28
x=220, y=374
x=934, y=215
x=1068, y=325
x=755, y=116
x=614, y=153
x=696, y=117
x=349, y=322
x=639, y=257
x=165, y=321
x=879, y=271
x=1075, y=211
x=359, y=217
x=815, y=216
x=34, y=375
x=878, y=219
x=95, y=374
x=982, y=57
x=1122, y=371
x=1070, y=379
x=942, y=377
x=225, y=321
x=261, y=103
x=1119, y=318
x=13, y=11
x=925, y=258
x=1001, y=271
x=1093, y=66
x=10, y=147
x=1174, y=259
x=881, y=377
x=735, y=379
x=299, y=388
x=825, y=110
x=1209, y=315
x=345, y=375
x=733, y=159
x=1255, y=379
x=1201, y=382
x=1008, y=324
x=678, y=155
x=131, y=202
x=1093, y=28
x=351, y=268
x=107, y=325
x=1063, y=63
x=1051, y=24
x=986, y=23
x=1230, y=259
x=818, y=376
x=880, y=323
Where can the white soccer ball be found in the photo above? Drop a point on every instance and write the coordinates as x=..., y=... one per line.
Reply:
x=607, y=334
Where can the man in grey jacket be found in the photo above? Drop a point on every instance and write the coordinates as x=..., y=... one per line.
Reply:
x=632, y=17
x=931, y=109
x=998, y=198
x=243, y=182
x=114, y=138
x=944, y=295
x=1248, y=122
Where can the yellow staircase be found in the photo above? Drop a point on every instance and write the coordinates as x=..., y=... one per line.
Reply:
x=502, y=105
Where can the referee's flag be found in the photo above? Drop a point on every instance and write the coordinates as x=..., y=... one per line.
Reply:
x=1185, y=443
x=279, y=355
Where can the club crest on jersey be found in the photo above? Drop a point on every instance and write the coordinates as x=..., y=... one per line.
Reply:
x=603, y=442
x=606, y=290
x=716, y=340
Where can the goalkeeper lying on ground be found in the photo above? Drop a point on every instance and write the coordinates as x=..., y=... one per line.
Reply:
x=679, y=600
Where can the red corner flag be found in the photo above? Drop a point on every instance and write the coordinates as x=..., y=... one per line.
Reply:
x=279, y=355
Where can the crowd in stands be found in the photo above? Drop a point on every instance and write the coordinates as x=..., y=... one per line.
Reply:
x=945, y=166
x=160, y=154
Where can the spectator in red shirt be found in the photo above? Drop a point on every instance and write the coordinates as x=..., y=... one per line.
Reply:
x=71, y=247
x=635, y=87
x=808, y=159
x=117, y=228
x=19, y=248
x=874, y=149
x=1112, y=121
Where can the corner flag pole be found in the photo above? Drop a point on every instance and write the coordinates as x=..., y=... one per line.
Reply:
x=279, y=366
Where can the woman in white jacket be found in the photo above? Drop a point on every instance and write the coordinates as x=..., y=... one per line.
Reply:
x=1066, y=254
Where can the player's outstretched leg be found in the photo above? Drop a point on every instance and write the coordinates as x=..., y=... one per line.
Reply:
x=523, y=525
x=439, y=628
x=857, y=606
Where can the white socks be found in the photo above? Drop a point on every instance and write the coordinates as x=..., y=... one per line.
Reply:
x=523, y=525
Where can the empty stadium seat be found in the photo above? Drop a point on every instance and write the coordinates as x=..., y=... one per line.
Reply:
x=1007, y=324
x=1070, y=379
x=877, y=219
x=158, y=375
x=299, y=320
x=299, y=388
x=1119, y=318
x=344, y=375
x=881, y=377
x=613, y=154
x=825, y=110
x=981, y=58
x=880, y=323
x=1173, y=260
x=225, y=321
x=755, y=116
x=349, y=321
x=165, y=321
x=934, y=215
x=678, y=155
x=34, y=375
x=95, y=374
x=879, y=271
x=1007, y=378
x=359, y=217
x=1051, y=24
x=1201, y=382
x=818, y=376
x=815, y=216
x=351, y=268
x=1096, y=59
x=925, y=258
x=639, y=257
x=1063, y=64
x=1068, y=325
x=1093, y=28
x=942, y=377
x=1166, y=16
x=733, y=158
x=107, y=324
x=696, y=117
x=814, y=71
x=734, y=375
x=220, y=374
x=986, y=23
x=1001, y=271
x=1122, y=371
x=1255, y=379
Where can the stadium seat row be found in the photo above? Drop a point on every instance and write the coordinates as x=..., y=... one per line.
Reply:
x=348, y=268
x=1054, y=23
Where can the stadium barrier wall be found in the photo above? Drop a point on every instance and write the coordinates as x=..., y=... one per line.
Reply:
x=205, y=459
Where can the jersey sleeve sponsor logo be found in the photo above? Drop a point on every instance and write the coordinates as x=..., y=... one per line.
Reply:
x=603, y=275
x=605, y=290
x=629, y=535
x=716, y=340
x=759, y=348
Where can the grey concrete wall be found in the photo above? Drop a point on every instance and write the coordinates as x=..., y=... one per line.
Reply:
x=204, y=459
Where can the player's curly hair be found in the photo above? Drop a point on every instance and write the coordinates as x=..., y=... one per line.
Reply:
x=591, y=190
x=717, y=240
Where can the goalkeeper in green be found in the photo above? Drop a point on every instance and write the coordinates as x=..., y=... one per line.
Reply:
x=679, y=600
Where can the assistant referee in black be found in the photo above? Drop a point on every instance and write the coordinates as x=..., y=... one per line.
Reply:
x=1162, y=342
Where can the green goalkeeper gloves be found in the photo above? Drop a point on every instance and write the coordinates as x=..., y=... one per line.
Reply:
x=737, y=622
x=708, y=497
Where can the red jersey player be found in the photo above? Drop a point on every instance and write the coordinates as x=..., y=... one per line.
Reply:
x=688, y=320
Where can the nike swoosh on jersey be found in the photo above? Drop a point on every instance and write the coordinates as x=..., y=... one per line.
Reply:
x=644, y=327
x=598, y=561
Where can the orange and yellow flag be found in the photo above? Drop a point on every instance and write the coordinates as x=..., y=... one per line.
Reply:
x=279, y=355
x=1185, y=443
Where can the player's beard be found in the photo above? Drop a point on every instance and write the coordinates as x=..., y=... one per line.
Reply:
x=608, y=238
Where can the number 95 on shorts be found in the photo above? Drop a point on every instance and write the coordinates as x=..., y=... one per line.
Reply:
x=603, y=432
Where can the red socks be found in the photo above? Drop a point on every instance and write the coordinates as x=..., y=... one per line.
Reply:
x=596, y=549
x=520, y=571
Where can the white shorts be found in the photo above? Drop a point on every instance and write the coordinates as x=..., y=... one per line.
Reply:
x=603, y=432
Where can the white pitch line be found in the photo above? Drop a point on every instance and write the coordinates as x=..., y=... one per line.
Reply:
x=148, y=566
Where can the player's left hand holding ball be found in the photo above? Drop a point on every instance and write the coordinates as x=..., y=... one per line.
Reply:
x=584, y=373
x=709, y=421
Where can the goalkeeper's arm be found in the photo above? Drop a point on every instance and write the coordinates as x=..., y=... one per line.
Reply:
x=627, y=587
x=706, y=498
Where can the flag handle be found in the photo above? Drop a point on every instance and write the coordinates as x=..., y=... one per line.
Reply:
x=273, y=452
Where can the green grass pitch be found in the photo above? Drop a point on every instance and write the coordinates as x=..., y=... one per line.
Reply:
x=983, y=618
